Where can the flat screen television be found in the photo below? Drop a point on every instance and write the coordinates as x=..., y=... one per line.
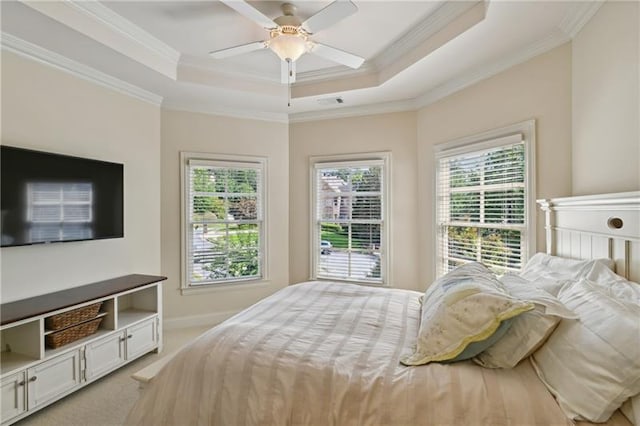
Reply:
x=50, y=198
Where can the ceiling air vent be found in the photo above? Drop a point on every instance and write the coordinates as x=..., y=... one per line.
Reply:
x=331, y=101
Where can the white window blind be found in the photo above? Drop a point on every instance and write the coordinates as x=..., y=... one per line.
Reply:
x=224, y=221
x=481, y=208
x=350, y=224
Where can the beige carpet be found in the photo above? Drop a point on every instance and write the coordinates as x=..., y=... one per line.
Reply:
x=107, y=400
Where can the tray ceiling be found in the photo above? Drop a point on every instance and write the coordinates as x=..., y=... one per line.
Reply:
x=415, y=52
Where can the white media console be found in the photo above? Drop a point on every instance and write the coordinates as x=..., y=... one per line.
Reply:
x=33, y=375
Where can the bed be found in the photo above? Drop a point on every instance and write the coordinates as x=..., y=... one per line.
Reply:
x=328, y=353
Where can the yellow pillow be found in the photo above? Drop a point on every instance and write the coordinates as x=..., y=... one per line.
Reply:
x=464, y=306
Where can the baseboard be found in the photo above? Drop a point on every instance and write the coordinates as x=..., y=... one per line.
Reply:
x=211, y=319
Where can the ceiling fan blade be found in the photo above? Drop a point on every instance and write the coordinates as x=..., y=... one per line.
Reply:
x=332, y=14
x=248, y=11
x=285, y=78
x=337, y=55
x=238, y=50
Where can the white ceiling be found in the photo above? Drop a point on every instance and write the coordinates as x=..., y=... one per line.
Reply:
x=415, y=51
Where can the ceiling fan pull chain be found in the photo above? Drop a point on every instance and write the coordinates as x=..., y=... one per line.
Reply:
x=289, y=83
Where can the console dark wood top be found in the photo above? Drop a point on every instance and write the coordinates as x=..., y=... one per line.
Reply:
x=26, y=308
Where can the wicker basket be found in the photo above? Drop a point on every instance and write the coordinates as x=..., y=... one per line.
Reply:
x=71, y=334
x=66, y=319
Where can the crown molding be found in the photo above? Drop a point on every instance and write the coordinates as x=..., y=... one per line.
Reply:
x=489, y=70
x=39, y=54
x=356, y=111
x=272, y=117
x=98, y=22
x=434, y=22
x=577, y=17
x=102, y=13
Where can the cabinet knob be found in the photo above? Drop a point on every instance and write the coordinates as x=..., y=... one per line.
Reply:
x=129, y=336
x=122, y=339
x=21, y=383
x=33, y=379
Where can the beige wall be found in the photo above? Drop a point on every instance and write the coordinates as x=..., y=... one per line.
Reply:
x=194, y=132
x=395, y=133
x=606, y=101
x=46, y=109
x=539, y=89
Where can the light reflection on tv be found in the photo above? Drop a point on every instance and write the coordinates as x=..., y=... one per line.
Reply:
x=59, y=211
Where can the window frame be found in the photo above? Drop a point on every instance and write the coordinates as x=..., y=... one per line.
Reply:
x=352, y=160
x=260, y=163
x=484, y=141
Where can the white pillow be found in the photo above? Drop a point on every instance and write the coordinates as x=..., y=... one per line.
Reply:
x=466, y=305
x=615, y=285
x=550, y=285
x=631, y=410
x=592, y=365
x=551, y=273
x=529, y=330
x=620, y=288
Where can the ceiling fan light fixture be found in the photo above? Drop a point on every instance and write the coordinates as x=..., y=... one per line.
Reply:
x=288, y=43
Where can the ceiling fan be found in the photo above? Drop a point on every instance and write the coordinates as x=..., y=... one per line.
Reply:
x=289, y=36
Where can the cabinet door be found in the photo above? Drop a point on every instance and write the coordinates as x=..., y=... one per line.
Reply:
x=13, y=395
x=53, y=378
x=104, y=355
x=141, y=338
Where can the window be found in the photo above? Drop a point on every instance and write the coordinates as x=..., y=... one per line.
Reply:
x=223, y=219
x=484, y=192
x=350, y=221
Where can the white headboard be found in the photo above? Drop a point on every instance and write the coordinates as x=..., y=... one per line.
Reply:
x=596, y=226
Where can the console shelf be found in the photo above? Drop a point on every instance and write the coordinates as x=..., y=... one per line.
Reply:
x=132, y=316
x=131, y=326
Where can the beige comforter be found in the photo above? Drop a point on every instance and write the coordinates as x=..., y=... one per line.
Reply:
x=322, y=353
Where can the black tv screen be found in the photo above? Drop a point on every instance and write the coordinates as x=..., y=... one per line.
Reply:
x=50, y=197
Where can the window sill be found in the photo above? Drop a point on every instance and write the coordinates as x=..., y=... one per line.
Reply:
x=214, y=288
